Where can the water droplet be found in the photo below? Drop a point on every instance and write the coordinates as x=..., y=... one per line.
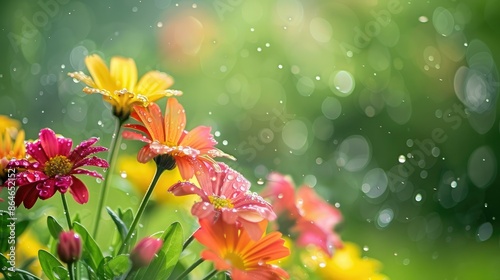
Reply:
x=260, y=181
x=123, y=174
x=366, y=248
x=453, y=184
x=402, y=159
x=418, y=197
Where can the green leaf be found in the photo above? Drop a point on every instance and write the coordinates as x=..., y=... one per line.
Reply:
x=119, y=265
x=163, y=264
x=104, y=271
x=127, y=217
x=60, y=272
x=54, y=227
x=5, y=231
x=120, y=225
x=91, y=254
x=48, y=263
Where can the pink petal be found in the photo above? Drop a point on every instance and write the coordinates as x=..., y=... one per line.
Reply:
x=49, y=142
x=92, y=161
x=79, y=191
x=199, y=138
x=28, y=177
x=314, y=208
x=203, y=210
x=281, y=190
x=229, y=216
x=87, y=172
x=135, y=136
x=251, y=215
x=63, y=182
x=187, y=188
x=34, y=149
x=64, y=145
x=26, y=195
x=81, y=150
x=46, y=189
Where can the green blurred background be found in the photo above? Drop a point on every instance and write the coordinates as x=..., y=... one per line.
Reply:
x=387, y=108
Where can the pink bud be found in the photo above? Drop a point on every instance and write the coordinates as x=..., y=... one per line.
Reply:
x=144, y=252
x=69, y=247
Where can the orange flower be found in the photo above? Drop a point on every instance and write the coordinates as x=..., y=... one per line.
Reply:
x=231, y=249
x=166, y=136
x=119, y=85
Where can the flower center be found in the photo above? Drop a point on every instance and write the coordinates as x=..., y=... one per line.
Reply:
x=234, y=260
x=220, y=202
x=58, y=165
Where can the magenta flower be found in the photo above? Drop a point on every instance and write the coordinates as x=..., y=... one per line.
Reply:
x=314, y=219
x=69, y=248
x=52, y=167
x=144, y=252
x=225, y=194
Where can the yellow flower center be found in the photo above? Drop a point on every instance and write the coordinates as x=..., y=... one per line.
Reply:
x=234, y=260
x=220, y=202
x=58, y=165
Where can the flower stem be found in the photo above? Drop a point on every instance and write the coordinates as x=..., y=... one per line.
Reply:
x=71, y=268
x=142, y=207
x=66, y=211
x=189, y=269
x=211, y=274
x=188, y=241
x=113, y=152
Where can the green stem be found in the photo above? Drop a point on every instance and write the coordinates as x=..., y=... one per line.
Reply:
x=71, y=271
x=188, y=241
x=142, y=207
x=211, y=274
x=113, y=152
x=189, y=269
x=66, y=211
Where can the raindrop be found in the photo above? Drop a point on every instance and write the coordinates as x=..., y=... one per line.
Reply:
x=402, y=159
x=123, y=174
x=453, y=184
x=365, y=248
x=418, y=197
x=261, y=182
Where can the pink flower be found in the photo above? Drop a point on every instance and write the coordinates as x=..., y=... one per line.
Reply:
x=314, y=218
x=69, y=248
x=144, y=252
x=166, y=136
x=52, y=167
x=225, y=194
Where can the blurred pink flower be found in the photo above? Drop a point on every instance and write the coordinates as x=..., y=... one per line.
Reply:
x=225, y=194
x=314, y=218
x=69, y=248
x=52, y=167
x=144, y=252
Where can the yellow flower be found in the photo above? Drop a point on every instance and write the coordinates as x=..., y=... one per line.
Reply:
x=9, y=132
x=27, y=247
x=140, y=174
x=345, y=264
x=119, y=85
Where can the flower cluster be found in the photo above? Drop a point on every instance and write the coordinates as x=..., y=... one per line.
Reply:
x=236, y=226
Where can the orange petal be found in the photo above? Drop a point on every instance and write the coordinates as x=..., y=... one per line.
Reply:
x=175, y=121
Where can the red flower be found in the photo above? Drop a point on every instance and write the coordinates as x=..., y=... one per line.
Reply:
x=225, y=194
x=315, y=219
x=69, y=248
x=144, y=252
x=231, y=249
x=52, y=168
x=166, y=136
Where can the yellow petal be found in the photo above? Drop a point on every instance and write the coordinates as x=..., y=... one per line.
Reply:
x=124, y=72
x=153, y=82
x=80, y=76
x=100, y=73
x=6, y=122
x=19, y=149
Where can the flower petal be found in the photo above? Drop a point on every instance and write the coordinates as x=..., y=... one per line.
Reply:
x=100, y=73
x=151, y=117
x=93, y=161
x=27, y=195
x=203, y=210
x=187, y=188
x=145, y=154
x=175, y=121
x=152, y=82
x=199, y=138
x=87, y=172
x=79, y=191
x=140, y=128
x=34, y=149
x=124, y=72
x=64, y=145
x=135, y=136
x=49, y=142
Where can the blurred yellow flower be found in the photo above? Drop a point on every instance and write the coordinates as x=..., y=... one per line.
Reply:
x=140, y=174
x=9, y=132
x=345, y=264
x=119, y=85
x=27, y=247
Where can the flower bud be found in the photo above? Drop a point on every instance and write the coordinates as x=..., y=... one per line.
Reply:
x=69, y=247
x=144, y=252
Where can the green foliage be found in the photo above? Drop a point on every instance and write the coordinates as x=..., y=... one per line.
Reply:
x=51, y=266
x=54, y=227
x=91, y=254
x=7, y=222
